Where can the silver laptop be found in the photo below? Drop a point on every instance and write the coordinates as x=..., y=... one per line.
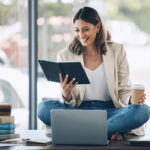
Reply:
x=79, y=127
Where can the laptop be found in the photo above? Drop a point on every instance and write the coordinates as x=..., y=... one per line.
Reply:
x=79, y=127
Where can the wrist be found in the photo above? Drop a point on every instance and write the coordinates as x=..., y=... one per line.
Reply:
x=67, y=97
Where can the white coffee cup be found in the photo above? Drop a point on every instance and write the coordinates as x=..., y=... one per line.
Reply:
x=137, y=93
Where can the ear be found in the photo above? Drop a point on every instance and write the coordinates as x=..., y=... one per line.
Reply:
x=98, y=26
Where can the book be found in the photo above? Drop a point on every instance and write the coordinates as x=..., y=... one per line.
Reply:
x=6, y=119
x=7, y=126
x=5, y=109
x=75, y=70
x=8, y=136
x=39, y=142
x=7, y=131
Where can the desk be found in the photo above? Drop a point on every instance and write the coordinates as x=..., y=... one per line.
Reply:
x=113, y=145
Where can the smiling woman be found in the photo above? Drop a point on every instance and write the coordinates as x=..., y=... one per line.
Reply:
x=56, y=31
x=107, y=68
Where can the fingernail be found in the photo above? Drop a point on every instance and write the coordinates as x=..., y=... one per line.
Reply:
x=67, y=75
x=74, y=78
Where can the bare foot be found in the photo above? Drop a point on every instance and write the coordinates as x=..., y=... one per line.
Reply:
x=116, y=137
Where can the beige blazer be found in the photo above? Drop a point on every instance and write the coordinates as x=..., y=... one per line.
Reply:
x=117, y=76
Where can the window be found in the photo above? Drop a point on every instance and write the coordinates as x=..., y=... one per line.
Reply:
x=9, y=95
x=14, y=58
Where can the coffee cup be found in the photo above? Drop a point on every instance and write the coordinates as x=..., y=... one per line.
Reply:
x=137, y=93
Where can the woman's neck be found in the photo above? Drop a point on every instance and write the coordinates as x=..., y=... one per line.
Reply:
x=91, y=51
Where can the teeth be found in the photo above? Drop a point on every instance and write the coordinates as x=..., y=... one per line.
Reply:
x=84, y=40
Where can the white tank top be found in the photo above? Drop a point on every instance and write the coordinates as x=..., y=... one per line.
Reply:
x=97, y=89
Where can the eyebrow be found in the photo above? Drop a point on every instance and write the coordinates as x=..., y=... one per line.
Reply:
x=83, y=27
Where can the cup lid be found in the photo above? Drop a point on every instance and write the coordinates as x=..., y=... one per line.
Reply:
x=138, y=86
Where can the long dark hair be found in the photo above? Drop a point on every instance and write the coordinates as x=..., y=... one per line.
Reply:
x=90, y=15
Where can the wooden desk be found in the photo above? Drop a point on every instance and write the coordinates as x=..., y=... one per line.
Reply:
x=113, y=145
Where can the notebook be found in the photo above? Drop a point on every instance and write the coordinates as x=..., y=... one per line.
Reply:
x=79, y=127
x=52, y=69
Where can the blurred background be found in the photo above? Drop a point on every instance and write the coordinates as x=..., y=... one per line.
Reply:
x=128, y=22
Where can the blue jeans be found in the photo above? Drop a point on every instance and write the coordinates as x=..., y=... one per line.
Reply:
x=120, y=120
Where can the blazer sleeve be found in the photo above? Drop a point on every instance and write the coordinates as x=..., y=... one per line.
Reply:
x=124, y=83
x=61, y=99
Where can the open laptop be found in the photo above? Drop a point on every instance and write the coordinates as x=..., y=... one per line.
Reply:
x=79, y=127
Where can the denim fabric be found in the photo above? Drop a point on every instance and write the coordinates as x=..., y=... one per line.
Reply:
x=120, y=120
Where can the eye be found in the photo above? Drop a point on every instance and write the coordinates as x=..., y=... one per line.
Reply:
x=76, y=30
x=85, y=29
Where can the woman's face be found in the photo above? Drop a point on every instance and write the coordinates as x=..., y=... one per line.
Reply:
x=86, y=32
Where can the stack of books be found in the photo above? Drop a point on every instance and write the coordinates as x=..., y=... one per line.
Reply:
x=7, y=125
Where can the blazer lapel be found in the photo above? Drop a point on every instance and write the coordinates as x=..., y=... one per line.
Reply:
x=108, y=60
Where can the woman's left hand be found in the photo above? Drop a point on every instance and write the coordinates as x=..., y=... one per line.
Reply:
x=142, y=100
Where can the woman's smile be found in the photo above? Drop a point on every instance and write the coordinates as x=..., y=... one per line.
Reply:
x=86, y=32
x=84, y=40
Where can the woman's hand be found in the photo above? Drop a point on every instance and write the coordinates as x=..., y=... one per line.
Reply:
x=142, y=100
x=66, y=88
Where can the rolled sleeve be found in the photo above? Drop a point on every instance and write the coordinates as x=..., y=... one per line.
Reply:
x=71, y=103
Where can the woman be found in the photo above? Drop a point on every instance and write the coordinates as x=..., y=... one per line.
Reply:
x=106, y=66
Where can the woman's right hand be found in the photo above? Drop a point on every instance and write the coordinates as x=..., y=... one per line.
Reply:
x=67, y=88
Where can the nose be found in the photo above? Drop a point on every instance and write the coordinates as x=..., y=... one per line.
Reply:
x=81, y=34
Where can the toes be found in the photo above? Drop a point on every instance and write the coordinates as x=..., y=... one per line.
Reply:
x=117, y=137
x=113, y=137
